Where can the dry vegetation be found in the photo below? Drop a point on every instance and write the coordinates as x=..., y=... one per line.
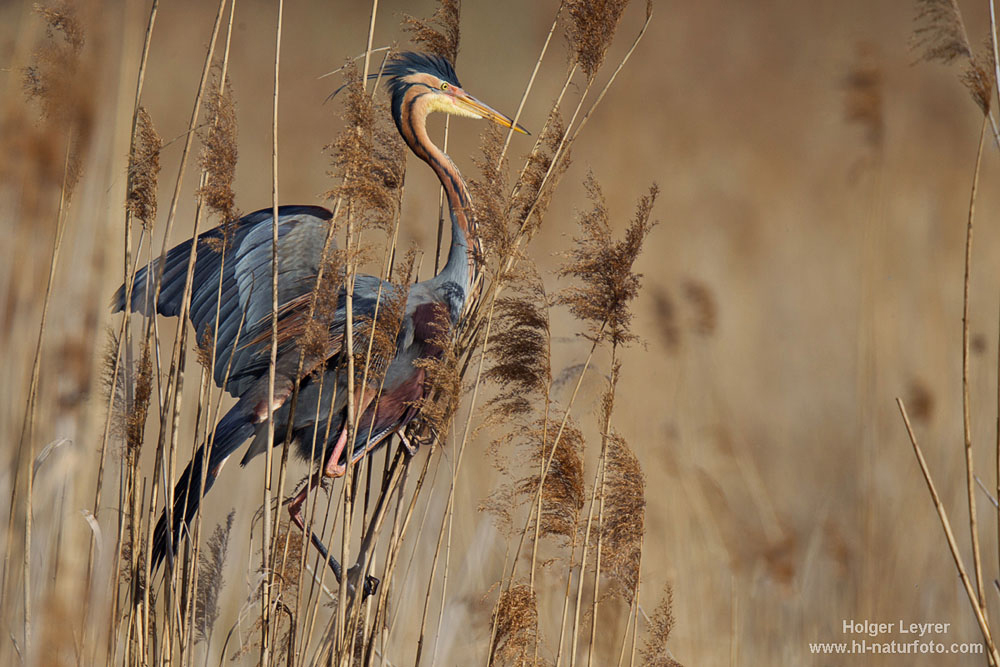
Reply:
x=655, y=440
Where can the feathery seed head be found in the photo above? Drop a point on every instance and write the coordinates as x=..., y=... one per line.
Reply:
x=516, y=621
x=604, y=267
x=144, y=167
x=591, y=29
x=220, y=153
x=440, y=33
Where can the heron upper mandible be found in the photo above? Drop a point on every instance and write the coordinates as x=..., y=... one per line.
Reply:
x=419, y=84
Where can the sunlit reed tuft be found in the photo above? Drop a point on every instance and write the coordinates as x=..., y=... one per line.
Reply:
x=604, y=267
x=564, y=491
x=135, y=420
x=940, y=33
x=516, y=620
x=978, y=77
x=940, y=36
x=220, y=153
x=519, y=354
x=369, y=157
x=591, y=29
x=661, y=624
x=624, y=516
x=144, y=170
x=113, y=385
x=534, y=192
x=211, y=562
x=440, y=33
x=444, y=378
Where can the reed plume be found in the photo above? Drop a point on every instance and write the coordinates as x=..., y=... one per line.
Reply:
x=624, y=516
x=940, y=33
x=211, y=562
x=978, y=77
x=521, y=366
x=61, y=79
x=564, y=491
x=490, y=193
x=220, y=153
x=440, y=34
x=135, y=421
x=655, y=652
x=523, y=411
x=144, y=169
x=516, y=620
x=541, y=175
x=382, y=332
x=112, y=382
x=369, y=157
x=604, y=267
x=444, y=376
x=940, y=36
x=591, y=29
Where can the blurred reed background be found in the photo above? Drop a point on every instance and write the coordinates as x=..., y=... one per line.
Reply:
x=807, y=269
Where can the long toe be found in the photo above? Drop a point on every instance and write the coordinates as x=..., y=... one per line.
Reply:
x=371, y=587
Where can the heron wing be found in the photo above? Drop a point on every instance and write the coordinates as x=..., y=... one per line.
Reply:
x=243, y=296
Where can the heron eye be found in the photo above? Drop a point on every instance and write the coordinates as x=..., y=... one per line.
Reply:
x=444, y=86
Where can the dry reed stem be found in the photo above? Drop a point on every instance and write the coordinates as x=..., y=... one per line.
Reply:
x=269, y=452
x=386, y=346
x=963, y=574
x=365, y=551
x=130, y=268
x=28, y=426
x=353, y=411
x=218, y=168
x=326, y=263
x=966, y=406
x=996, y=57
x=566, y=598
x=420, y=528
x=218, y=165
x=600, y=491
x=583, y=563
x=178, y=361
x=451, y=495
x=152, y=327
x=564, y=144
x=635, y=614
x=552, y=452
x=530, y=84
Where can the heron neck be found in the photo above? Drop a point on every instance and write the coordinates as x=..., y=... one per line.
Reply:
x=461, y=266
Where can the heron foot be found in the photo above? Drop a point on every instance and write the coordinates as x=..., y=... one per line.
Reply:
x=411, y=449
x=370, y=586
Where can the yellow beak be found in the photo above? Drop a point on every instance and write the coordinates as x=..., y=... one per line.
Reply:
x=488, y=112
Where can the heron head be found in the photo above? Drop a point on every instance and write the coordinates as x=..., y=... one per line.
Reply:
x=433, y=76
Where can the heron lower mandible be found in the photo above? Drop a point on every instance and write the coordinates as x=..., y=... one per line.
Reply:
x=419, y=85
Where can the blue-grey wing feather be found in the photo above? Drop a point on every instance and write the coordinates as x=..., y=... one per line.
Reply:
x=246, y=281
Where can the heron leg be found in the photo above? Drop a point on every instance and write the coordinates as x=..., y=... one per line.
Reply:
x=295, y=511
x=333, y=466
x=295, y=507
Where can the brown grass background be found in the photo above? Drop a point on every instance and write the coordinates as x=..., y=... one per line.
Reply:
x=782, y=494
